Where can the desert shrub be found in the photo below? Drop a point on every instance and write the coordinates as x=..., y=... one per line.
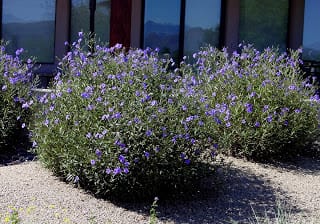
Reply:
x=118, y=123
x=257, y=103
x=15, y=97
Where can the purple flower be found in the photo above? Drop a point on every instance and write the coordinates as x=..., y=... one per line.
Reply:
x=253, y=94
x=249, y=107
x=136, y=120
x=99, y=99
x=90, y=107
x=4, y=88
x=285, y=123
x=53, y=96
x=125, y=170
x=108, y=171
x=190, y=118
x=19, y=51
x=88, y=135
x=170, y=101
x=117, y=115
x=184, y=107
x=98, y=153
x=297, y=111
x=217, y=120
x=69, y=90
x=46, y=122
x=76, y=179
x=187, y=161
x=122, y=159
x=213, y=154
x=292, y=87
x=26, y=105
x=269, y=118
x=153, y=103
x=257, y=124
x=23, y=125
x=98, y=136
x=34, y=144
x=93, y=162
x=148, y=133
x=85, y=95
x=228, y=124
x=117, y=170
x=105, y=117
x=265, y=108
x=147, y=154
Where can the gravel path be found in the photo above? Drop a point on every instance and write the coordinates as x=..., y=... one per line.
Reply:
x=42, y=198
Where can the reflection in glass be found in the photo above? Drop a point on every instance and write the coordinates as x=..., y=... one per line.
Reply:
x=311, y=32
x=264, y=23
x=30, y=25
x=202, y=24
x=102, y=20
x=161, y=26
x=80, y=18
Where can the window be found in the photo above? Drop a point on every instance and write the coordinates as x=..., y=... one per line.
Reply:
x=202, y=24
x=80, y=18
x=181, y=27
x=264, y=23
x=30, y=25
x=311, y=32
x=162, y=25
x=102, y=20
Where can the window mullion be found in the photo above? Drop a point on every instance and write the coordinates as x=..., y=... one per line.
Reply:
x=92, y=12
x=182, y=28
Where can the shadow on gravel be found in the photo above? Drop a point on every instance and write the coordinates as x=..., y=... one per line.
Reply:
x=303, y=164
x=16, y=156
x=230, y=201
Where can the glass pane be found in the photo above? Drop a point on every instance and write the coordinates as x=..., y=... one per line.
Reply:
x=80, y=18
x=311, y=33
x=102, y=20
x=161, y=26
x=264, y=23
x=202, y=24
x=30, y=25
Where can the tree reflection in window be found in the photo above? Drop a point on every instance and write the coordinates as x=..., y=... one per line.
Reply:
x=80, y=19
x=202, y=25
x=311, y=32
x=162, y=25
x=30, y=25
x=264, y=23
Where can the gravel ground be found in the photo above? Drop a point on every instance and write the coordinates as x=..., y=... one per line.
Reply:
x=41, y=197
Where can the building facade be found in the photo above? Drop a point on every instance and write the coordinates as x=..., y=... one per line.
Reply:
x=176, y=27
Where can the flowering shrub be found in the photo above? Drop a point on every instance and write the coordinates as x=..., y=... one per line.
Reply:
x=15, y=89
x=118, y=122
x=257, y=104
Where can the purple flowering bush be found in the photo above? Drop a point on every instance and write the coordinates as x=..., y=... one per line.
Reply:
x=257, y=104
x=15, y=96
x=118, y=123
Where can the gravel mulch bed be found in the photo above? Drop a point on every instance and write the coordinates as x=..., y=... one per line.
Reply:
x=41, y=197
